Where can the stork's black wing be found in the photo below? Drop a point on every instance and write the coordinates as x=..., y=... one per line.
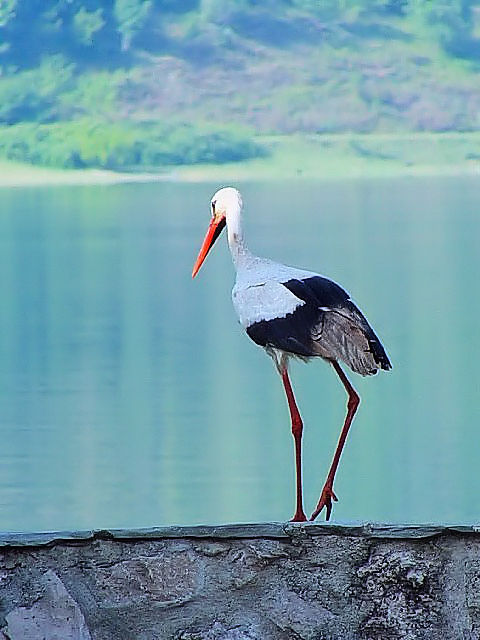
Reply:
x=328, y=324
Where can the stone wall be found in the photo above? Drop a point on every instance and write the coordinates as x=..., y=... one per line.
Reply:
x=243, y=582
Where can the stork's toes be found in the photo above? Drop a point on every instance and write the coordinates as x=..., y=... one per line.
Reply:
x=325, y=501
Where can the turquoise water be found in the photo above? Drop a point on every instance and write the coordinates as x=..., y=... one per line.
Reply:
x=129, y=395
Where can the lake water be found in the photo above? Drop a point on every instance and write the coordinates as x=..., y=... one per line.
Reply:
x=129, y=395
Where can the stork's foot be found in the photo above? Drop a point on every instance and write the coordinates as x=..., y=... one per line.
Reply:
x=299, y=516
x=325, y=501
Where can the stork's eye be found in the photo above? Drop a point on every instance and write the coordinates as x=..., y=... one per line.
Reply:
x=213, y=208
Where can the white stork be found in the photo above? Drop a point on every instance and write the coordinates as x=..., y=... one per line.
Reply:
x=292, y=312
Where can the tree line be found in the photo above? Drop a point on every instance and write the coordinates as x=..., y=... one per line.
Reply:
x=105, y=31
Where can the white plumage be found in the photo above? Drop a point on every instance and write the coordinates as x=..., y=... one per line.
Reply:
x=265, y=301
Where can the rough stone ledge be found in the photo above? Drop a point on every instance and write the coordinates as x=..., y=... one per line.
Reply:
x=269, y=581
x=273, y=530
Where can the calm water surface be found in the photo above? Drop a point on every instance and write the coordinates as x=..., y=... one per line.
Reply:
x=129, y=395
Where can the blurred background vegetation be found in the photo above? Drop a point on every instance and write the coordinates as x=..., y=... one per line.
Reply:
x=129, y=84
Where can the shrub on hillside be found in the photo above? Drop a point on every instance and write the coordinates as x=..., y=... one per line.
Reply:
x=33, y=95
x=123, y=145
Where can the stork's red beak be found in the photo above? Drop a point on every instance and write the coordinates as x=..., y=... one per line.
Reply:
x=214, y=230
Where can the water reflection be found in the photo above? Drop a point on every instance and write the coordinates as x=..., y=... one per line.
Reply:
x=129, y=395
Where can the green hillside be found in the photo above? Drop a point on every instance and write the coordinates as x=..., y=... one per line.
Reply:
x=153, y=83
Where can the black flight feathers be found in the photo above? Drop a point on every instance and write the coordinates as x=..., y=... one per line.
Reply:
x=293, y=333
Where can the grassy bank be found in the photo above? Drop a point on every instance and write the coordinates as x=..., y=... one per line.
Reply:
x=14, y=174
x=297, y=157
x=351, y=155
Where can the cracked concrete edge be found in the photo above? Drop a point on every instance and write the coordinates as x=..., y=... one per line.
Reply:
x=275, y=530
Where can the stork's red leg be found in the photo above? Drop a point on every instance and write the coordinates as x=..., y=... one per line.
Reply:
x=297, y=430
x=353, y=402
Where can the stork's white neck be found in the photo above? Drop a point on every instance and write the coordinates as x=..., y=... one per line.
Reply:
x=236, y=241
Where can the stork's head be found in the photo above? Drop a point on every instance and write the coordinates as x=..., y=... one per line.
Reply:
x=225, y=203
